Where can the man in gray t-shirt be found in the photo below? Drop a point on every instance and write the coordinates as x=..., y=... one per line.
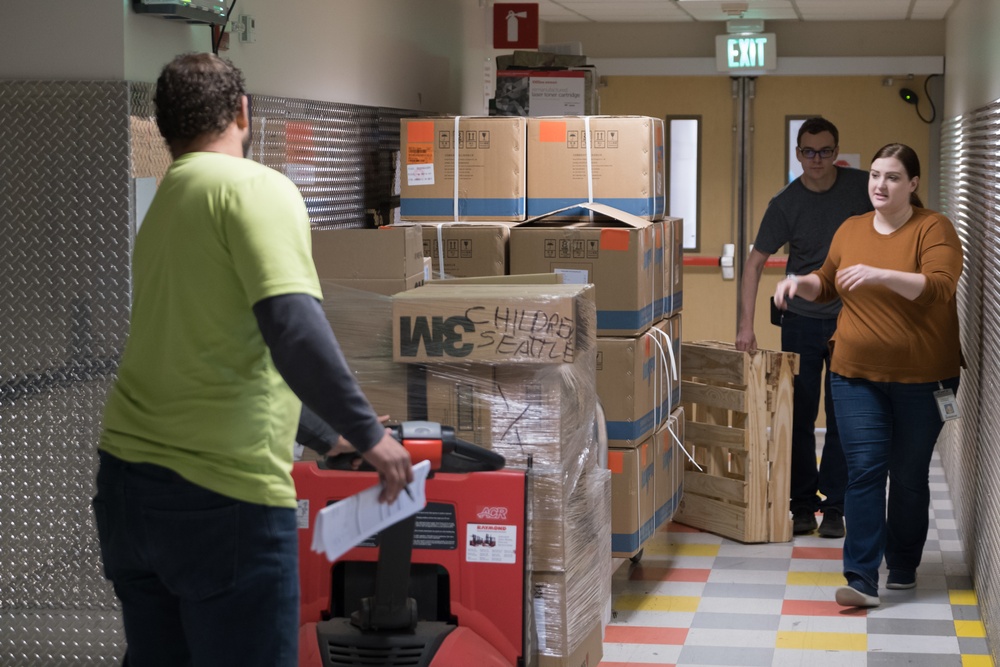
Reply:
x=805, y=215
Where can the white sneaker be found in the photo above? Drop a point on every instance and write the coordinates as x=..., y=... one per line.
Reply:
x=852, y=597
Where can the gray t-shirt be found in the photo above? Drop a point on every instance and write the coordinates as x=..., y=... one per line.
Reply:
x=807, y=221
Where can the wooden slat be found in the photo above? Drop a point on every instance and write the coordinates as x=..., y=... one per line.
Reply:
x=779, y=452
x=714, y=516
x=715, y=363
x=722, y=488
x=714, y=435
x=756, y=472
x=713, y=395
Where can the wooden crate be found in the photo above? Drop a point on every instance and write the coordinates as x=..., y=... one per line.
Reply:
x=738, y=428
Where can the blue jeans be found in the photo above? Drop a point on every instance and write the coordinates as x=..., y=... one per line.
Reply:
x=809, y=337
x=889, y=430
x=203, y=579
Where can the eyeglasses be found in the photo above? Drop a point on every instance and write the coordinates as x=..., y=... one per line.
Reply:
x=810, y=153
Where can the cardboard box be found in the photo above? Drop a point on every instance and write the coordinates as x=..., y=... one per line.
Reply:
x=567, y=606
x=672, y=270
x=567, y=520
x=490, y=181
x=461, y=396
x=588, y=653
x=386, y=253
x=466, y=249
x=545, y=413
x=612, y=160
x=614, y=252
x=632, y=498
x=668, y=474
x=526, y=92
x=638, y=381
x=383, y=286
x=535, y=324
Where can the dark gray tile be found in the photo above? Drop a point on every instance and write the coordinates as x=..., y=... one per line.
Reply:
x=940, y=495
x=716, y=621
x=948, y=534
x=760, y=591
x=876, y=659
x=907, y=626
x=966, y=612
x=718, y=655
x=959, y=582
x=944, y=514
x=973, y=645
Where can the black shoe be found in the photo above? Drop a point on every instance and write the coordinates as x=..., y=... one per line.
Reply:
x=833, y=524
x=900, y=580
x=803, y=522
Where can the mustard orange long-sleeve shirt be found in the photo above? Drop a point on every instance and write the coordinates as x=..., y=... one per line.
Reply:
x=882, y=336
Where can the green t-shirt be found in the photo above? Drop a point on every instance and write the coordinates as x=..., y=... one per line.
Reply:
x=197, y=391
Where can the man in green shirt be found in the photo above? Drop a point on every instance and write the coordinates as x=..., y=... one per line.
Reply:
x=195, y=504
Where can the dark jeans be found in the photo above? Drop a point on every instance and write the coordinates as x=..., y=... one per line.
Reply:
x=204, y=580
x=809, y=338
x=889, y=432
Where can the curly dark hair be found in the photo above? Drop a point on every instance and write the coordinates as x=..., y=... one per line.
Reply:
x=197, y=94
x=815, y=125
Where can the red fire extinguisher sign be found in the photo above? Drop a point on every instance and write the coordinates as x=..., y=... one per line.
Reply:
x=515, y=25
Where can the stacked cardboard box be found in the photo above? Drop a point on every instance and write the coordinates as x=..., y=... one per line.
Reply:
x=512, y=368
x=532, y=83
x=462, y=168
x=612, y=160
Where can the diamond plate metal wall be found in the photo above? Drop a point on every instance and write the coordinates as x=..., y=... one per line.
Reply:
x=69, y=156
x=65, y=218
x=970, y=447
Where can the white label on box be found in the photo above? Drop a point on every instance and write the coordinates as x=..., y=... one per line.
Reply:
x=574, y=276
x=490, y=543
x=420, y=174
x=302, y=514
x=555, y=96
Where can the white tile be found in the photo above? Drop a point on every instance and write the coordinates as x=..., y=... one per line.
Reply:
x=914, y=644
x=840, y=624
x=741, y=638
x=740, y=606
x=675, y=588
x=747, y=577
x=797, y=658
x=756, y=550
x=912, y=610
x=640, y=653
x=654, y=619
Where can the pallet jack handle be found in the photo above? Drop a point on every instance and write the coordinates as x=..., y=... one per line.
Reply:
x=391, y=608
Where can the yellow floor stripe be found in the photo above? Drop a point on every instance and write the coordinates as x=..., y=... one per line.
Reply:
x=822, y=641
x=815, y=579
x=963, y=597
x=970, y=629
x=711, y=550
x=630, y=602
x=977, y=661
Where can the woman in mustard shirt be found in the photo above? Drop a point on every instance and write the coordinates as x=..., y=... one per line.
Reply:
x=895, y=360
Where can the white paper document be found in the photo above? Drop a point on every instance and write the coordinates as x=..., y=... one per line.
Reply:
x=348, y=522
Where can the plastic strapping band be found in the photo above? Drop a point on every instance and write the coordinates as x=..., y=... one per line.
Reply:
x=454, y=141
x=590, y=163
x=657, y=403
x=673, y=368
x=440, y=235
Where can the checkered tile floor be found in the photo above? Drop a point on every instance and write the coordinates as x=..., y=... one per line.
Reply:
x=700, y=599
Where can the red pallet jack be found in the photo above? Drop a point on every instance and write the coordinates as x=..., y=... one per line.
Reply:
x=442, y=588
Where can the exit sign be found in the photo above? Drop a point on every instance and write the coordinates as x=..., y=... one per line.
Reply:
x=747, y=53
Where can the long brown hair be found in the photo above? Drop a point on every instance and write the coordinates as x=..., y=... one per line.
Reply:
x=911, y=163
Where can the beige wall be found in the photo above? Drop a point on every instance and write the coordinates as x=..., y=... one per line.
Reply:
x=867, y=113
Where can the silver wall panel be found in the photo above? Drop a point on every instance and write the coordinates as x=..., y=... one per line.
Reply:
x=65, y=218
x=69, y=156
x=970, y=447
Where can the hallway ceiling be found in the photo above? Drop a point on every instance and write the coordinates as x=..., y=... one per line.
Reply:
x=643, y=11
